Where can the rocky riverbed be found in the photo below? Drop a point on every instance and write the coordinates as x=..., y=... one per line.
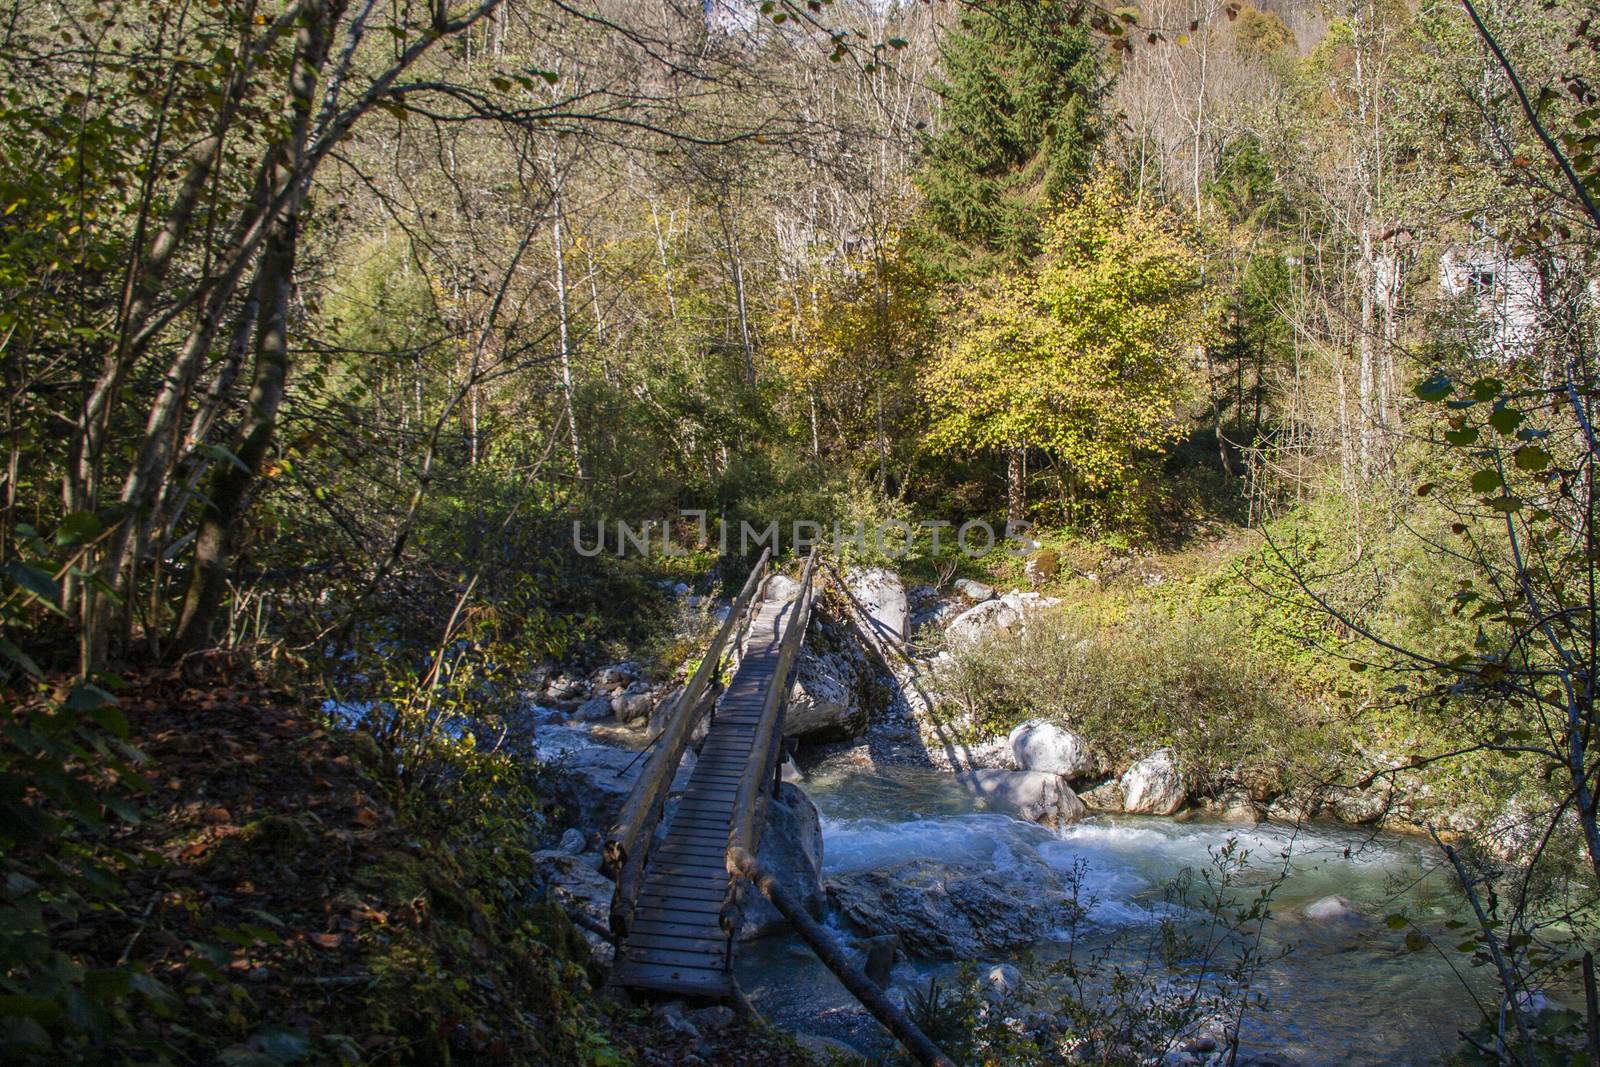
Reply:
x=965, y=882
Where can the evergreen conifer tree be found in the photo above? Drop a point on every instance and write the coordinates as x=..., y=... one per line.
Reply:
x=1016, y=132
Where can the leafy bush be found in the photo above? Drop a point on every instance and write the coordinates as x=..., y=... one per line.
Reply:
x=1135, y=675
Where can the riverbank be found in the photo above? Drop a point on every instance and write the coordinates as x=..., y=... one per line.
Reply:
x=274, y=894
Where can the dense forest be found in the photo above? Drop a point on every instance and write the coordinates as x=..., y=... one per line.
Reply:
x=379, y=374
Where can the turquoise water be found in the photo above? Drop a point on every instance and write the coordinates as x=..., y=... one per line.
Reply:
x=1347, y=991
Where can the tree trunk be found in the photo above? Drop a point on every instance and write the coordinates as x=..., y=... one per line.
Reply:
x=732, y=238
x=1366, y=376
x=1015, y=500
x=230, y=487
x=562, y=324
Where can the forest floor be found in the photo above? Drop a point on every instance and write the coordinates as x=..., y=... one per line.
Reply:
x=290, y=914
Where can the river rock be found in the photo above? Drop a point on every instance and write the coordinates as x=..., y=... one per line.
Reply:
x=564, y=686
x=877, y=958
x=1153, y=786
x=1107, y=796
x=791, y=848
x=1358, y=806
x=633, y=703
x=781, y=588
x=825, y=700
x=1003, y=980
x=1235, y=805
x=1044, y=746
x=598, y=707
x=943, y=912
x=1332, y=908
x=975, y=591
x=616, y=676
x=576, y=883
x=1036, y=795
x=882, y=597
x=592, y=781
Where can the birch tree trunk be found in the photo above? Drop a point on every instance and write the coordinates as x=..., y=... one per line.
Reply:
x=563, y=322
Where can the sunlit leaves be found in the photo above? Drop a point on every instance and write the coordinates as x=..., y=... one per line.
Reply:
x=1081, y=355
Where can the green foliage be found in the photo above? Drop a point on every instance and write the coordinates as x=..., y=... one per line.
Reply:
x=67, y=777
x=1016, y=132
x=1132, y=675
x=1081, y=355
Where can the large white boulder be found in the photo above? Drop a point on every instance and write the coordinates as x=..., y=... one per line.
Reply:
x=791, y=848
x=981, y=620
x=593, y=781
x=882, y=596
x=781, y=588
x=1044, y=746
x=1006, y=615
x=1153, y=786
x=1043, y=798
x=824, y=704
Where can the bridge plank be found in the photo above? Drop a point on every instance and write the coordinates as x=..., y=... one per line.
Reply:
x=641, y=941
x=652, y=903
x=665, y=957
x=679, y=917
x=698, y=929
x=695, y=981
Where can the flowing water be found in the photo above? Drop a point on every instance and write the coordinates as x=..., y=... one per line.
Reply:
x=1346, y=992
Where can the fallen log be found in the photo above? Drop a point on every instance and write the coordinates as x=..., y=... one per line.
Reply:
x=742, y=864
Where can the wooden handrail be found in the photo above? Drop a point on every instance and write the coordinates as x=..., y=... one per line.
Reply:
x=750, y=802
x=628, y=842
x=748, y=809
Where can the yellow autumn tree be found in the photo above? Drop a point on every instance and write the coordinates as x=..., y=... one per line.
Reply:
x=1081, y=355
x=846, y=345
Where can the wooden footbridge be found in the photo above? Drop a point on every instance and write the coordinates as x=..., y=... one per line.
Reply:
x=680, y=894
x=676, y=906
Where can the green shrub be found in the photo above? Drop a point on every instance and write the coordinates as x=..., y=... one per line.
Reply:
x=1135, y=675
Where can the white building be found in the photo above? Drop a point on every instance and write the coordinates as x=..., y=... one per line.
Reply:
x=1507, y=294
